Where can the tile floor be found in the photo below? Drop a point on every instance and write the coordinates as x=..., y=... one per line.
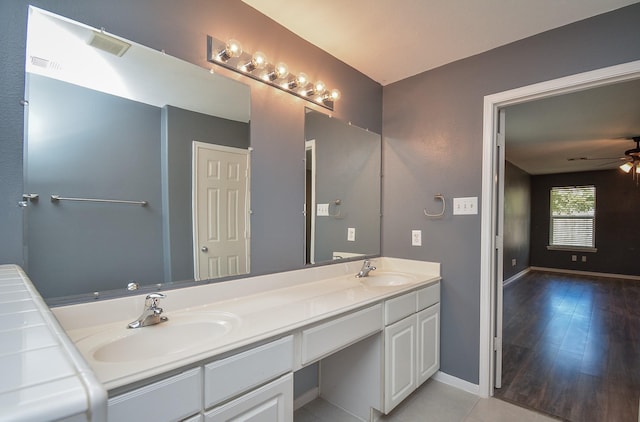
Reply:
x=433, y=402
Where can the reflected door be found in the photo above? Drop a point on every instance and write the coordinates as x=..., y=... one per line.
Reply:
x=221, y=211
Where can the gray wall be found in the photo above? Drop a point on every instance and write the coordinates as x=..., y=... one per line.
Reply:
x=347, y=168
x=110, y=149
x=617, y=231
x=179, y=129
x=432, y=143
x=180, y=28
x=517, y=219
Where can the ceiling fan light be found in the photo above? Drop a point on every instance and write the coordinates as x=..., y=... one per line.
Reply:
x=626, y=167
x=638, y=168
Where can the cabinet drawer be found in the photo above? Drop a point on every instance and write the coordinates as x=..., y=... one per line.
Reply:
x=334, y=335
x=397, y=308
x=229, y=377
x=272, y=402
x=428, y=296
x=171, y=399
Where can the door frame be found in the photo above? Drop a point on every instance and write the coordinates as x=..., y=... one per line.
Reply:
x=310, y=146
x=492, y=104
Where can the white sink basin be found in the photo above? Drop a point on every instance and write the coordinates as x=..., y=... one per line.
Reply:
x=387, y=279
x=179, y=333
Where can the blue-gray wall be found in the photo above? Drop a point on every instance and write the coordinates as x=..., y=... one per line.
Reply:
x=432, y=143
x=517, y=220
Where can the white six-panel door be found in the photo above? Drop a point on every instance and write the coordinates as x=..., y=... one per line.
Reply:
x=220, y=210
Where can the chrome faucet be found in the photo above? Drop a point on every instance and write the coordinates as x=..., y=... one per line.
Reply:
x=151, y=313
x=366, y=269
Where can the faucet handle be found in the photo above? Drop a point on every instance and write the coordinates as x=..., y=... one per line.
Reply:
x=152, y=299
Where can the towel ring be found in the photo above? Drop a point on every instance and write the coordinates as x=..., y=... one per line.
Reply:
x=444, y=207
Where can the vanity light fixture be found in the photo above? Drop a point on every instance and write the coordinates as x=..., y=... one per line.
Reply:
x=231, y=55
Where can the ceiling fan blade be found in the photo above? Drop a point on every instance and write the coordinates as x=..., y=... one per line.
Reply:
x=596, y=158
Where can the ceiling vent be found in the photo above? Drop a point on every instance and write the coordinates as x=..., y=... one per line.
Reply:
x=45, y=63
x=109, y=44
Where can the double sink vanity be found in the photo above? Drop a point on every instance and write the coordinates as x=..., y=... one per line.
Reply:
x=229, y=350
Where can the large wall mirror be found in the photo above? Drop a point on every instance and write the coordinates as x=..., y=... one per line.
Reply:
x=342, y=189
x=108, y=119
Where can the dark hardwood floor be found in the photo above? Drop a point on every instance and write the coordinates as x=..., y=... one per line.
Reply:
x=571, y=346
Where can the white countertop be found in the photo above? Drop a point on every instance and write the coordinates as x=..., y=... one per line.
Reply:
x=43, y=377
x=260, y=308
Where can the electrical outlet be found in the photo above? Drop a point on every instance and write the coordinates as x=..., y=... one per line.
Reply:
x=513, y=262
x=416, y=237
x=584, y=258
x=462, y=206
x=322, y=210
x=574, y=258
x=351, y=234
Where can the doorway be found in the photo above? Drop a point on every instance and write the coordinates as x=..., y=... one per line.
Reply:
x=220, y=211
x=492, y=185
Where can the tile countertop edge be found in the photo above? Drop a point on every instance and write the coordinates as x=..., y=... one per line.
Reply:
x=96, y=394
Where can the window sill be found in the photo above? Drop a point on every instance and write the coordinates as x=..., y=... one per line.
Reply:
x=571, y=248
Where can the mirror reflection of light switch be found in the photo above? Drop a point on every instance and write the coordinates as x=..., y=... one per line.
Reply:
x=351, y=234
x=322, y=210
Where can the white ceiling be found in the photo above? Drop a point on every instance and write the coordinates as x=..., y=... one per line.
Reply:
x=390, y=40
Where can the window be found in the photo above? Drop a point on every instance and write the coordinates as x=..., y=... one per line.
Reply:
x=573, y=214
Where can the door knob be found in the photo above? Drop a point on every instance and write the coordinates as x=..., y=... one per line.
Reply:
x=204, y=249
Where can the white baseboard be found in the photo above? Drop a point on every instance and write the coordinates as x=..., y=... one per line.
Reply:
x=305, y=398
x=515, y=276
x=588, y=273
x=457, y=383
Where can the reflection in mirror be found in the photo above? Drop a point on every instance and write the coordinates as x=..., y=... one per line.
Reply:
x=342, y=189
x=111, y=119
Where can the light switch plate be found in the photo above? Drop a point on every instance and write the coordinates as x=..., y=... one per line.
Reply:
x=465, y=206
x=351, y=234
x=322, y=210
x=416, y=237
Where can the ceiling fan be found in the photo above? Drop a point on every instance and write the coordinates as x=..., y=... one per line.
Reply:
x=631, y=157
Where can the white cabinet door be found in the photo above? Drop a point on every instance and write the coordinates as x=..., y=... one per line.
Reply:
x=270, y=403
x=428, y=342
x=400, y=361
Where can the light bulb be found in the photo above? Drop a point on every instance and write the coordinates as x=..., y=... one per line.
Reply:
x=626, y=167
x=302, y=79
x=638, y=168
x=320, y=87
x=258, y=61
x=335, y=94
x=233, y=48
x=298, y=81
x=281, y=70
